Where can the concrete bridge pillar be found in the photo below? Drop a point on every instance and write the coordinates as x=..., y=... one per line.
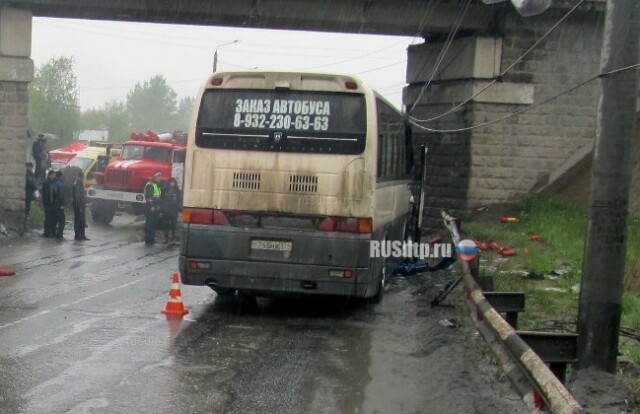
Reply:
x=16, y=71
x=498, y=162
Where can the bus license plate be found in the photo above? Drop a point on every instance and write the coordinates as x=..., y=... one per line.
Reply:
x=279, y=246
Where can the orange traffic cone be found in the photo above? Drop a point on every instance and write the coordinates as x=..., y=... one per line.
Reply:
x=175, y=305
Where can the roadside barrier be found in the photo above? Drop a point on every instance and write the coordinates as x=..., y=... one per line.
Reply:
x=522, y=355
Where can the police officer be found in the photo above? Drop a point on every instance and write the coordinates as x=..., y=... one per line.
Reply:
x=152, y=194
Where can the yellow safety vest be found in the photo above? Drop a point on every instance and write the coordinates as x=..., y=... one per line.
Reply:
x=157, y=191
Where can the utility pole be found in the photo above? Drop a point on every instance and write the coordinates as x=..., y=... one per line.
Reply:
x=605, y=246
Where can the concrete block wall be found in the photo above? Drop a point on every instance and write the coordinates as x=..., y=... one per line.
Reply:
x=16, y=71
x=448, y=166
x=525, y=149
x=13, y=130
x=507, y=159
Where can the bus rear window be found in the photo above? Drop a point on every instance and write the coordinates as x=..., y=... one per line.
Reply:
x=284, y=121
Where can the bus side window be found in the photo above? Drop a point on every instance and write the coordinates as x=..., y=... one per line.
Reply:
x=392, y=144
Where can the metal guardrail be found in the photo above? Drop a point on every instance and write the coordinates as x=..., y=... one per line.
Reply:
x=528, y=372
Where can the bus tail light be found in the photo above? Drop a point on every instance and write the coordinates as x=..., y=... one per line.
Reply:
x=204, y=216
x=345, y=274
x=346, y=225
x=216, y=81
x=219, y=218
x=197, y=215
x=194, y=265
x=350, y=85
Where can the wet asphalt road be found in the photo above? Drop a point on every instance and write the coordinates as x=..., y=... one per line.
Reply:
x=81, y=332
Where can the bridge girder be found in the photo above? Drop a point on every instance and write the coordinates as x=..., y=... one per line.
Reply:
x=391, y=17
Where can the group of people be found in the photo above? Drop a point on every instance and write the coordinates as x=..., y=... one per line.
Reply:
x=162, y=207
x=162, y=202
x=53, y=203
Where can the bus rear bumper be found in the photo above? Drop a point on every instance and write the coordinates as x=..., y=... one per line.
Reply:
x=275, y=278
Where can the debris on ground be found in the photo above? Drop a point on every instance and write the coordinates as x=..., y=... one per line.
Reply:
x=410, y=269
x=7, y=272
x=561, y=271
x=534, y=237
x=448, y=323
x=507, y=251
x=554, y=289
x=534, y=275
x=508, y=219
x=3, y=230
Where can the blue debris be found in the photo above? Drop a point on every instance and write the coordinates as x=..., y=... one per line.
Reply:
x=409, y=269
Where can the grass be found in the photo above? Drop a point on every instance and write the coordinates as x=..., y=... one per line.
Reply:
x=562, y=228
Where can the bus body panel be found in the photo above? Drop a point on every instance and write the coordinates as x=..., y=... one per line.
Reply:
x=235, y=264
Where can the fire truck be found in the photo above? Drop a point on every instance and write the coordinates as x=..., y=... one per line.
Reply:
x=120, y=183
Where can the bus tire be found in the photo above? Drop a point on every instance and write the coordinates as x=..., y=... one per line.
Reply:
x=102, y=213
x=377, y=297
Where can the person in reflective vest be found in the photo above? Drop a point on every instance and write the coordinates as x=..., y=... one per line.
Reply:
x=152, y=194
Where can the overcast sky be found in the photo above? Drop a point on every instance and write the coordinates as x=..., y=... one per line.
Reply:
x=110, y=57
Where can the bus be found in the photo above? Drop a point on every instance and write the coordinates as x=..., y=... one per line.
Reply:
x=288, y=178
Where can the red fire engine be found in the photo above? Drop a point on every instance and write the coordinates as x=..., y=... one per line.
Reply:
x=121, y=184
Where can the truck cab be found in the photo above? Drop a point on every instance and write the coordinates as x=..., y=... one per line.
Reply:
x=121, y=185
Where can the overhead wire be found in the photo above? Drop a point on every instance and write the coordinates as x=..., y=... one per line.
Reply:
x=443, y=51
x=504, y=72
x=529, y=108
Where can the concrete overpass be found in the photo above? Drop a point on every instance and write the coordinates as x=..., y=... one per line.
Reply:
x=483, y=165
x=398, y=17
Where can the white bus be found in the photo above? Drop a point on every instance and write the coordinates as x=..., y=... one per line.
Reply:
x=288, y=178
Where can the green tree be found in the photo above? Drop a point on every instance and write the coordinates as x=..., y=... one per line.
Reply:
x=152, y=106
x=184, y=112
x=53, y=100
x=113, y=116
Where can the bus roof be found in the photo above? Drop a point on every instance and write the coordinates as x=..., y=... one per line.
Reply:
x=272, y=79
x=268, y=79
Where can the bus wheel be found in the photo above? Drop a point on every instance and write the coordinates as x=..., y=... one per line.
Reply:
x=102, y=212
x=377, y=298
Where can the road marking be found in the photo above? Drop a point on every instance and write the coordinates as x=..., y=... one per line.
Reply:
x=95, y=295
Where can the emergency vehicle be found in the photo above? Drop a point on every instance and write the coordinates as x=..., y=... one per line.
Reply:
x=121, y=185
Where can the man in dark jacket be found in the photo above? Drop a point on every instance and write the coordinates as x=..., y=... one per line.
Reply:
x=29, y=191
x=49, y=198
x=171, y=202
x=79, y=206
x=59, y=206
x=152, y=194
x=40, y=153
